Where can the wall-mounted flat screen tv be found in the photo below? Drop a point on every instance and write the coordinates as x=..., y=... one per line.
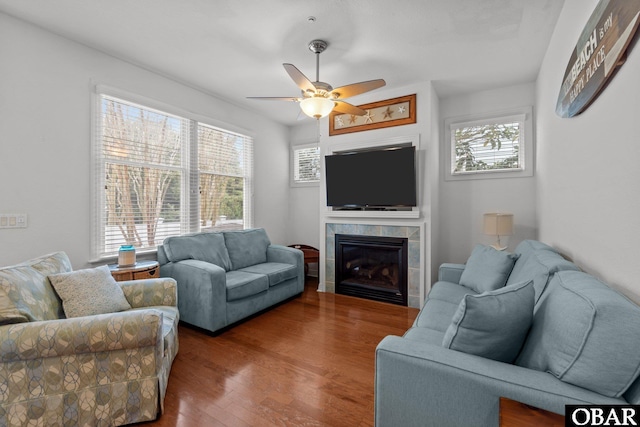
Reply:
x=370, y=179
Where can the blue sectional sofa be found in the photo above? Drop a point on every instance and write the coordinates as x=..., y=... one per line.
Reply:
x=550, y=336
x=224, y=277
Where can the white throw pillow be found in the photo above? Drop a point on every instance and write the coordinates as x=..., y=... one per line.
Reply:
x=89, y=292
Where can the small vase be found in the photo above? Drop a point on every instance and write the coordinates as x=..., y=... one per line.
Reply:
x=127, y=256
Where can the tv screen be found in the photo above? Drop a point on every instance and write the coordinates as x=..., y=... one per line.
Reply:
x=375, y=178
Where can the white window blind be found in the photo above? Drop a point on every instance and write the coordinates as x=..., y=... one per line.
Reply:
x=224, y=166
x=487, y=146
x=148, y=173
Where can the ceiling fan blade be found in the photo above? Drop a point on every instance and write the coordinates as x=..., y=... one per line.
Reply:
x=275, y=98
x=357, y=88
x=346, y=108
x=300, y=79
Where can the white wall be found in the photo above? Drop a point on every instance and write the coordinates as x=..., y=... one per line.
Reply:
x=45, y=108
x=462, y=203
x=588, y=171
x=304, y=202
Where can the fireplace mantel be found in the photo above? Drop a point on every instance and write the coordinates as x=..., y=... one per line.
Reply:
x=408, y=214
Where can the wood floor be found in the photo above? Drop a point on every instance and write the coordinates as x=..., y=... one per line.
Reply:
x=308, y=362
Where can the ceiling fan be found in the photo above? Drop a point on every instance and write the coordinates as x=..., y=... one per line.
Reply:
x=319, y=98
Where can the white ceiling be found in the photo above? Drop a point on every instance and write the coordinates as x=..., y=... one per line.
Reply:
x=235, y=48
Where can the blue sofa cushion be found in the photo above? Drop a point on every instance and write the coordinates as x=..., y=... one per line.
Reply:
x=247, y=247
x=493, y=324
x=487, y=269
x=449, y=292
x=585, y=334
x=527, y=247
x=277, y=272
x=442, y=303
x=425, y=335
x=524, y=250
x=242, y=284
x=208, y=247
x=436, y=315
x=539, y=265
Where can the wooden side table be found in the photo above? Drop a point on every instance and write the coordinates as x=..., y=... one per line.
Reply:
x=517, y=414
x=142, y=270
x=311, y=254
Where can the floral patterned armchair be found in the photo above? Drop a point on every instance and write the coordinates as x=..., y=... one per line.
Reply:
x=105, y=369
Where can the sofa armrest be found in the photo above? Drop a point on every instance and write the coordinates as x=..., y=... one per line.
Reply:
x=150, y=292
x=203, y=292
x=419, y=384
x=89, y=334
x=451, y=273
x=285, y=254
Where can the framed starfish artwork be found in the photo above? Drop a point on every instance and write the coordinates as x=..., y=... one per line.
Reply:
x=381, y=114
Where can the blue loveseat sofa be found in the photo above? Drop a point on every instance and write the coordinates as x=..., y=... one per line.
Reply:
x=224, y=277
x=552, y=336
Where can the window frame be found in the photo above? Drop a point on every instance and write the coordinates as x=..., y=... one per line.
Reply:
x=526, y=146
x=190, y=197
x=292, y=165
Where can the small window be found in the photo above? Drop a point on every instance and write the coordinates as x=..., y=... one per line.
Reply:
x=490, y=147
x=305, y=166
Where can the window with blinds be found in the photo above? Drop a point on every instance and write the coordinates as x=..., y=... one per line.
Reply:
x=224, y=165
x=305, y=164
x=481, y=147
x=158, y=175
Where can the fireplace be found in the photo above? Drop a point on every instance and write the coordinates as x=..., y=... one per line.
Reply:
x=372, y=267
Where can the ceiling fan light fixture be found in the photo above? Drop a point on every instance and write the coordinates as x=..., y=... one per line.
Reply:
x=316, y=106
x=319, y=98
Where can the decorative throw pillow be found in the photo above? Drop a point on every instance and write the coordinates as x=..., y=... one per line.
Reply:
x=487, y=269
x=89, y=292
x=493, y=324
x=29, y=292
x=9, y=312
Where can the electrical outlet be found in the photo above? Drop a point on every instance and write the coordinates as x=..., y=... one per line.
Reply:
x=13, y=220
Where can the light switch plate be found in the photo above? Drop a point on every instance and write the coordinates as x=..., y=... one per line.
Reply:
x=13, y=220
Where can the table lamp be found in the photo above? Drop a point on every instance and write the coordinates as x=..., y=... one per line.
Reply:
x=498, y=224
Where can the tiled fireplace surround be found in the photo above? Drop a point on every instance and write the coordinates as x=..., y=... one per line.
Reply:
x=411, y=232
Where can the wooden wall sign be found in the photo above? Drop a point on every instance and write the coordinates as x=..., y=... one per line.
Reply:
x=382, y=114
x=600, y=50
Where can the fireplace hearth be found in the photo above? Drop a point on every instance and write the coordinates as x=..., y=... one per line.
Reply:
x=372, y=267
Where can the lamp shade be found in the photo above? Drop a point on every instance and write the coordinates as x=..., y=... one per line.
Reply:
x=498, y=224
x=316, y=106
